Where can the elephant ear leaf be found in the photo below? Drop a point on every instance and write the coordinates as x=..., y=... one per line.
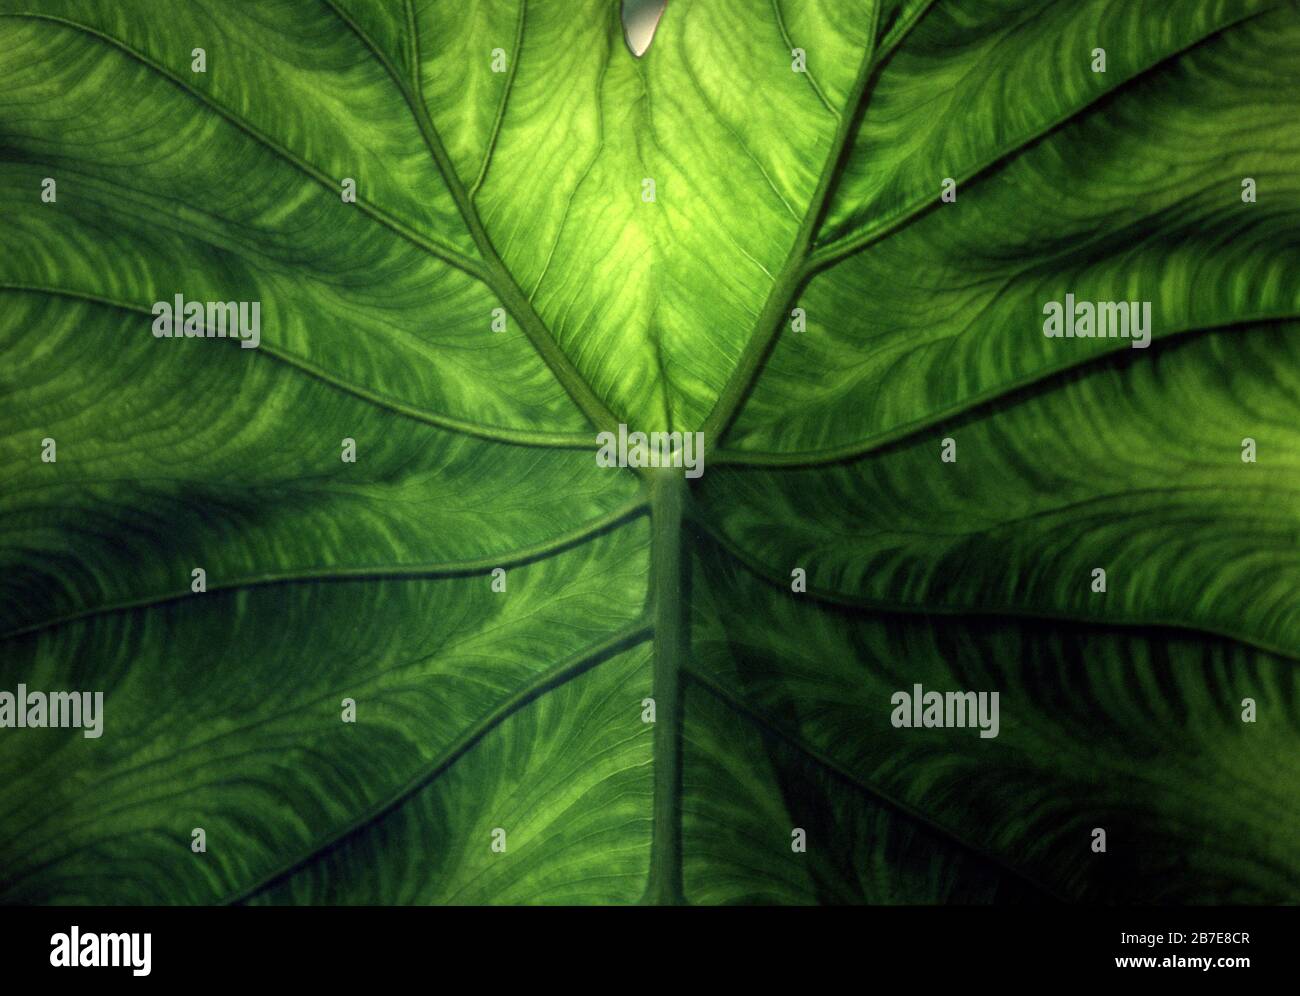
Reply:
x=367, y=622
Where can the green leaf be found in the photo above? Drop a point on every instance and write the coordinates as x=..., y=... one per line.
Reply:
x=505, y=613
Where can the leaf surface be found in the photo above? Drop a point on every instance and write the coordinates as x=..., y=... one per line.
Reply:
x=503, y=611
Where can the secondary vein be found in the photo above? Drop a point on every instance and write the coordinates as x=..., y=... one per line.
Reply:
x=496, y=275
x=504, y=434
x=384, y=572
x=825, y=761
x=505, y=98
x=1022, y=386
x=561, y=674
x=1010, y=613
x=791, y=278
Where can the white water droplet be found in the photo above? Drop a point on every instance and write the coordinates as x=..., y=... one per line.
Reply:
x=640, y=19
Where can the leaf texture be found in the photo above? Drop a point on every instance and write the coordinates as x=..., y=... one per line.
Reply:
x=581, y=684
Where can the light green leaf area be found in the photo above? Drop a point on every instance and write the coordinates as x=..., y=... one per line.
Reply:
x=473, y=666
